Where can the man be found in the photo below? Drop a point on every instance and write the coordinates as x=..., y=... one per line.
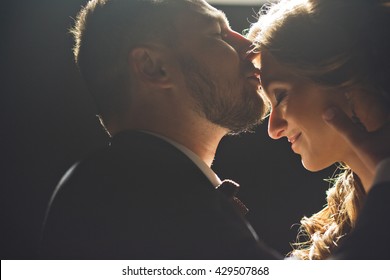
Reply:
x=170, y=79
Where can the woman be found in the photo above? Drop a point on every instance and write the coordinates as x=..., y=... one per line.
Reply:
x=314, y=54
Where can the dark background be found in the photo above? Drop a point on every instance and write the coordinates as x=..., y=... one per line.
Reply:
x=48, y=122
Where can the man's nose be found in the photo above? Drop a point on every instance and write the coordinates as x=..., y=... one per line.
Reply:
x=241, y=44
x=276, y=125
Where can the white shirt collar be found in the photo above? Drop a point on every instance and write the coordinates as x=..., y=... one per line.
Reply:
x=207, y=171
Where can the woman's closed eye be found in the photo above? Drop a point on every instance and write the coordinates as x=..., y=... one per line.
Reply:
x=279, y=94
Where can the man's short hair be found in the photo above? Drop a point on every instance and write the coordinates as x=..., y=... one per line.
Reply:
x=105, y=31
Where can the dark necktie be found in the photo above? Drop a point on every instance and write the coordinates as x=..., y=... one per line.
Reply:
x=230, y=189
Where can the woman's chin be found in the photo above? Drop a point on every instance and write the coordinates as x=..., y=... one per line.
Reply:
x=313, y=166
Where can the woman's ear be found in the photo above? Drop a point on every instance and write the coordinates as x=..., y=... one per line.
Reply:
x=350, y=96
x=149, y=66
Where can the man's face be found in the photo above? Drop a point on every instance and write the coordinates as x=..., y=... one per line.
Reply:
x=218, y=69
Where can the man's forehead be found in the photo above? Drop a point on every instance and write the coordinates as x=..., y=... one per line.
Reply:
x=217, y=15
x=207, y=13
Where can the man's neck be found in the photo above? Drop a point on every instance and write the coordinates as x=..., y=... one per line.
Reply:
x=214, y=179
x=201, y=139
x=203, y=143
x=174, y=121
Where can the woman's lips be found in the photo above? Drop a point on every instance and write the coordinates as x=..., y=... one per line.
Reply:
x=294, y=139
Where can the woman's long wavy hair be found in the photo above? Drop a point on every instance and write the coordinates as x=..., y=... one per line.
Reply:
x=321, y=233
x=336, y=44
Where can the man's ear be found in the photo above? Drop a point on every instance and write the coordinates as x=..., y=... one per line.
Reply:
x=149, y=65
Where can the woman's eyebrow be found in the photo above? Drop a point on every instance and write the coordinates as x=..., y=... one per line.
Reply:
x=267, y=81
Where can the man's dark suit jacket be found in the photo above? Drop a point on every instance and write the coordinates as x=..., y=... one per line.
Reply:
x=142, y=198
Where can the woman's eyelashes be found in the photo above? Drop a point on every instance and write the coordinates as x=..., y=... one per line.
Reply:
x=279, y=94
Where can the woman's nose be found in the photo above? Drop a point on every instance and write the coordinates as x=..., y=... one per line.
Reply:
x=276, y=125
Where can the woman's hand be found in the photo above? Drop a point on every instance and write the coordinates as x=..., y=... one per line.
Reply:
x=371, y=147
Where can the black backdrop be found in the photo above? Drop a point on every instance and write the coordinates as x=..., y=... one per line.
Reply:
x=48, y=123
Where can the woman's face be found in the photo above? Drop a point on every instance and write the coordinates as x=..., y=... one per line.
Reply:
x=296, y=109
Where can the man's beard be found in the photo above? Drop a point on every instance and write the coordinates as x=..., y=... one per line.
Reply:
x=238, y=111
